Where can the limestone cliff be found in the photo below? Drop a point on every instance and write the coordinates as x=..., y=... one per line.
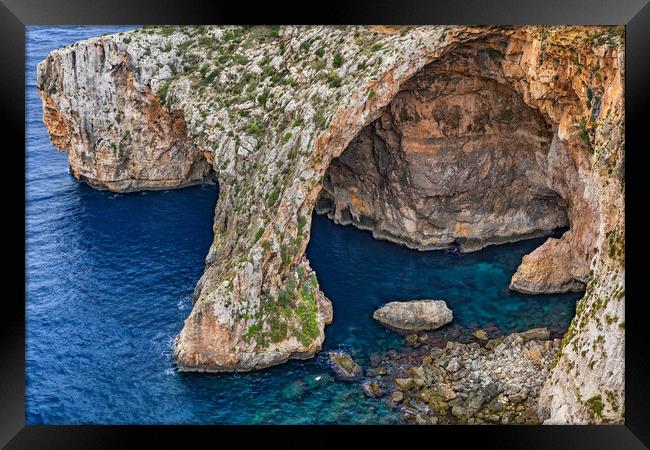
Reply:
x=116, y=132
x=429, y=136
x=457, y=157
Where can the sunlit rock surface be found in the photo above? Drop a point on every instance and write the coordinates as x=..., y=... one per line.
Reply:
x=271, y=110
x=414, y=315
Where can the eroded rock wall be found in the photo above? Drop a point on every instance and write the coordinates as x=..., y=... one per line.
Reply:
x=271, y=107
x=457, y=157
x=113, y=127
x=577, y=81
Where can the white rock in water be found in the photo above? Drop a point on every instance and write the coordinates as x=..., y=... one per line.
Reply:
x=414, y=315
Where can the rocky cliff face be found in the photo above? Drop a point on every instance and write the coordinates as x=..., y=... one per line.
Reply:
x=116, y=132
x=426, y=135
x=457, y=157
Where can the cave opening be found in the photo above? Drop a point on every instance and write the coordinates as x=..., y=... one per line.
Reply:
x=456, y=159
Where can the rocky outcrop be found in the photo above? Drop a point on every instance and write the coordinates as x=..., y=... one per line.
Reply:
x=116, y=132
x=414, y=315
x=373, y=389
x=535, y=333
x=344, y=366
x=273, y=109
x=498, y=383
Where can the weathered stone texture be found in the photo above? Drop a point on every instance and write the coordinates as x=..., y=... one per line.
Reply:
x=532, y=130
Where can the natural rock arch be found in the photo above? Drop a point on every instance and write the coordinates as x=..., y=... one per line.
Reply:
x=270, y=118
x=455, y=159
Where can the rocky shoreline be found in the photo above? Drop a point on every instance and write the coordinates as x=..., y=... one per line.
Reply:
x=495, y=381
x=287, y=118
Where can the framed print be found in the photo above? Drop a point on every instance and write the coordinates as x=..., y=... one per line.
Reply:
x=410, y=218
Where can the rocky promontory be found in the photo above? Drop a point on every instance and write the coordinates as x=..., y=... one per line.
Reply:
x=428, y=136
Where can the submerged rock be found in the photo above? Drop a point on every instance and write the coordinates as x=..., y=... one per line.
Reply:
x=294, y=390
x=480, y=334
x=373, y=389
x=415, y=315
x=344, y=366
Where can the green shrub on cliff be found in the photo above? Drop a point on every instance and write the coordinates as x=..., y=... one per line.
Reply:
x=255, y=128
x=284, y=297
x=252, y=331
x=285, y=254
x=207, y=41
x=584, y=135
x=259, y=233
x=274, y=31
x=595, y=403
x=306, y=44
x=495, y=54
x=278, y=329
x=306, y=311
x=166, y=30
x=338, y=60
x=183, y=46
x=209, y=78
x=272, y=198
x=263, y=97
x=334, y=79
x=302, y=220
x=163, y=89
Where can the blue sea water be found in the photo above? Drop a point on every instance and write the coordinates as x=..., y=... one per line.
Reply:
x=110, y=279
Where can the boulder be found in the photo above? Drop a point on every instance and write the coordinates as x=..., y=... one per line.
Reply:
x=519, y=396
x=448, y=394
x=539, y=334
x=535, y=353
x=396, y=397
x=373, y=389
x=480, y=334
x=415, y=315
x=417, y=372
x=404, y=384
x=459, y=411
x=453, y=365
x=493, y=343
x=344, y=366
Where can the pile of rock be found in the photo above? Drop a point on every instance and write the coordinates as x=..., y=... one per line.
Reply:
x=473, y=384
x=486, y=381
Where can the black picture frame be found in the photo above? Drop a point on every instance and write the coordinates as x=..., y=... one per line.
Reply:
x=15, y=15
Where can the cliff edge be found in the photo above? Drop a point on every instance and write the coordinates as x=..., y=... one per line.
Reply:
x=428, y=136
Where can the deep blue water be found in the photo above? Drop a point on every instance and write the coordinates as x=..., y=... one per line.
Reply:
x=110, y=278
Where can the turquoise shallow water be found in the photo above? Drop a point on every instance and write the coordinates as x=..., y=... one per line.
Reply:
x=110, y=279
